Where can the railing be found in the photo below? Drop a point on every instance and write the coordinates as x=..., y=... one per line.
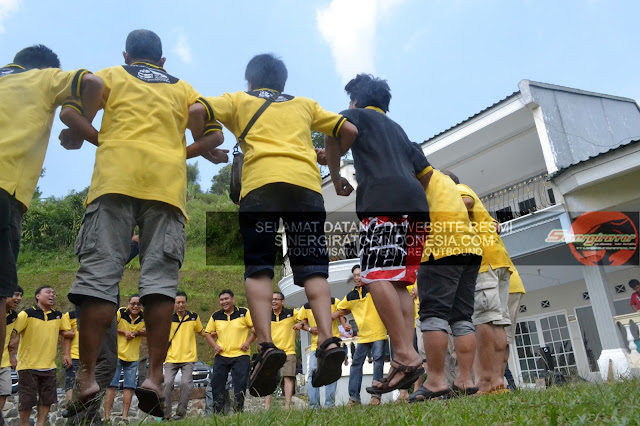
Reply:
x=628, y=321
x=520, y=199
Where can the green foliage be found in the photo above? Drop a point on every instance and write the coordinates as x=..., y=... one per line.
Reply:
x=318, y=139
x=221, y=181
x=193, y=173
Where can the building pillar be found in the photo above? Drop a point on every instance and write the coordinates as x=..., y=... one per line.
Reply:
x=604, y=311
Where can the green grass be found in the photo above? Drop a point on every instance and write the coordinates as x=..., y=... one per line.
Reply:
x=617, y=403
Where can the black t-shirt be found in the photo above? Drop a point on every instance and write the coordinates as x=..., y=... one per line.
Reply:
x=386, y=164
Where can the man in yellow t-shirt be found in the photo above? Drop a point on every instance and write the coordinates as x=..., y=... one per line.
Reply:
x=230, y=334
x=372, y=336
x=307, y=322
x=131, y=329
x=139, y=179
x=31, y=88
x=181, y=355
x=491, y=308
x=281, y=180
x=71, y=353
x=9, y=360
x=39, y=328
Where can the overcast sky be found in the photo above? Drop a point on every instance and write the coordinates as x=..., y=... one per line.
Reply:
x=444, y=60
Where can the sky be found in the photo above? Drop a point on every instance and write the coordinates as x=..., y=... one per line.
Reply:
x=445, y=60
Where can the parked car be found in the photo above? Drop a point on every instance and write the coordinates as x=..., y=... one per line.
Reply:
x=201, y=374
x=14, y=381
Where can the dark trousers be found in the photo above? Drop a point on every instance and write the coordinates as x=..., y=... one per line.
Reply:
x=239, y=368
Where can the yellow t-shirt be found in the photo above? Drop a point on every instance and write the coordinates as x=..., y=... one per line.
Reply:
x=494, y=253
x=360, y=303
x=129, y=350
x=183, y=340
x=232, y=330
x=278, y=147
x=39, y=338
x=450, y=231
x=515, y=283
x=416, y=304
x=306, y=313
x=282, y=332
x=11, y=320
x=75, y=342
x=29, y=101
x=142, y=145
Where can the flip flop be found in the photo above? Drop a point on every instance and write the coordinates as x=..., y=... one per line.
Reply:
x=456, y=391
x=329, y=363
x=411, y=374
x=150, y=402
x=75, y=406
x=264, y=376
x=424, y=394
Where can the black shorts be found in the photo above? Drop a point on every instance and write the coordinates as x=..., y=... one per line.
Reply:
x=11, y=211
x=303, y=215
x=36, y=387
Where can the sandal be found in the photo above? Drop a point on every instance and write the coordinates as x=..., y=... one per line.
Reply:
x=264, y=377
x=75, y=406
x=424, y=394
x=329, y=363
x=456, y=391
x=150, y=402
x=411, y=374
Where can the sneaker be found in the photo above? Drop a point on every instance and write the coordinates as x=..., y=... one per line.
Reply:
x=374, y=400
x=352, y=403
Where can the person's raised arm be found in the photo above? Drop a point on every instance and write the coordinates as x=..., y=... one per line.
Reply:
x=79, y=117
x=207, y=135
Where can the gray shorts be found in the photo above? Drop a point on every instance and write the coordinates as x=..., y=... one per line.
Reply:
x=289, y=367
x=104, y=242
x=5, y=381
x=491, y=297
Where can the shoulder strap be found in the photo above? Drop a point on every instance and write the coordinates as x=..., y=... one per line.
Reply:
x=255, y=117
x=186, y=316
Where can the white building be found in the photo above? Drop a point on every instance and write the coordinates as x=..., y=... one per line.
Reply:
x=539, y=158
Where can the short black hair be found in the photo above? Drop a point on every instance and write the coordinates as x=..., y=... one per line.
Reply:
x=634, y=283
x=182, y=293
x=279, y=294
x=451, y=175
x=144, y=44
x=355, y=267
x=227, y=291
x=19, y=290
x=133, y=295
x=368, y=90
x=37, y=56
x=266, y=71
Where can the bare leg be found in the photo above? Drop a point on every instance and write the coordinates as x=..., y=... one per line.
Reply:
x=436, y=343
x=288, y=392
x=259, y=293
x=502, y=353
x=109, y=396
x=67, y=394
x=24, y=417
x=126, y=402
x=42, y=413
x=3, y=399
x=317, y=291
x=158, y=314
x=483, y=365
x=465, y=352
x=98, y=315
x=267, y=401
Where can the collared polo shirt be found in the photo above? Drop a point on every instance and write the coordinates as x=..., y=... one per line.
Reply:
x=278, y=147
x=360, y=303
x=29, y=102
x=11, y=321
x=75, y=342
x=232, y=330
x=306, y=313
x=282, y=332
x=39, y=338
x=182, y=347
x=515, y=283
x=129, y=350
x=142, y=145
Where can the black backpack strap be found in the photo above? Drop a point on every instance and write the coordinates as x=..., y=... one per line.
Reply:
x=255, y=117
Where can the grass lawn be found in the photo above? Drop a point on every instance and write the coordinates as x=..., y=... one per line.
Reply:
x=609, y=403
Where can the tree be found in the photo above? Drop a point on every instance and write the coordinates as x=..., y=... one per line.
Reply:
x=193, y=176
x=37, y=193
x=220, y=182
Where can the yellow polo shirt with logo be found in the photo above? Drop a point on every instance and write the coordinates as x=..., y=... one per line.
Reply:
x=39, y=332
x=278, y=147
x=11, y=321
x=129, y=350
x=306, y=313
x=494, y=253
x=75, y=342
x=29, y=102
x=232, y=329
x=515, y=283
x=141, y=145
x=450, y=229
x=182, y=347
x=282, y=332
x=360, y=303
